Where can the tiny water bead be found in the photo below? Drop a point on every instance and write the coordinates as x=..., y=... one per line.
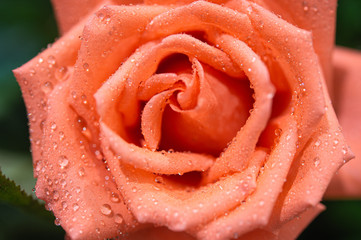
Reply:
x=61, y=73
x=51, y=60
x=56, y=195
x=75, y=207
x=316, y=161
x=158, y=179
x=86, y=67
x=57, y=222
x=61, y=135
x=63, y=161
x=118, y=219
x=47, y=87
x=64, y=205
x=106, y=209
x=81, y=171
x=53, y=126
x=114, y=198
x=32, y=72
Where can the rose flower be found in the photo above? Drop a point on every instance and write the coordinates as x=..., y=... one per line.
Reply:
x=185, y=120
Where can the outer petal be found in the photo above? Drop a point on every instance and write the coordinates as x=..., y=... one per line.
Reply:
x=124, y=24
x=347, y=65
x=294, y=227
x=69, y=12
x=38, y=77
x=256, y=211
x=315, y=16
x=73, y=179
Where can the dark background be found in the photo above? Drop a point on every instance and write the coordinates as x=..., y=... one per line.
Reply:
x=26, y=27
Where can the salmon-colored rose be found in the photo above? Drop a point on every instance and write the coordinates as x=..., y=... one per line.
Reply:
x=181, y=119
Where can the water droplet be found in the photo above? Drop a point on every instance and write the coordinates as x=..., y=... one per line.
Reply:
x=86, y=67
x=63, y=183
x=32, y=72
x=61, y=135
x=56, y=195
x=51, y=60
x=118, y=219
x=61, y=73
x=53, y=126
x=84, y=98
x=47, y=87
x=63, y=161
x=106, y=209
x=158, y=179
x=316, y=161
x=64, y=205
x=57, y=221
x=55, y=145
x=77, y=190
x=50, y=182
x=75, y=207
x=114, y=198
x=81, y=171
x=344, y=151
x=101, y=16
x=86, y=132
x=249, y=9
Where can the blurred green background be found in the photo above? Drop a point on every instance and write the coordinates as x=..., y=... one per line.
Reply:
x=26, y=27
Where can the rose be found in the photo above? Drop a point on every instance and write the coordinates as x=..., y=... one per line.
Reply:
x=95, y=100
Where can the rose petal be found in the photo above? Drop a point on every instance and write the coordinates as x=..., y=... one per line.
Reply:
x=293, y=228
x=290, y=230
x=38, y=77
x=156, y=162
x=73, y=181
x=124, y=23
x=312, y=15
x=69, y=13
x=152, y=118
x=155, y=84
x=189, y=129
x=142, y=65
x=256, y=210
x=170, y=205
x=294, y=51
x=160, y=233
x=236, y=156
x=347, y=63
x=200, y=15
x=312, y=108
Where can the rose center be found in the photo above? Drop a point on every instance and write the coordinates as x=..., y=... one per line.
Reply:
x=195, y=107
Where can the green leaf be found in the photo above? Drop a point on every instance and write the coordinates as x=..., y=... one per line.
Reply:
x=12, y=194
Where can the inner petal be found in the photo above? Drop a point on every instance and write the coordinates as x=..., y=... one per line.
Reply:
x=221, y=109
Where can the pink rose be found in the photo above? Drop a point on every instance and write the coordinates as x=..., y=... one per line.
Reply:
x=182, y=119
